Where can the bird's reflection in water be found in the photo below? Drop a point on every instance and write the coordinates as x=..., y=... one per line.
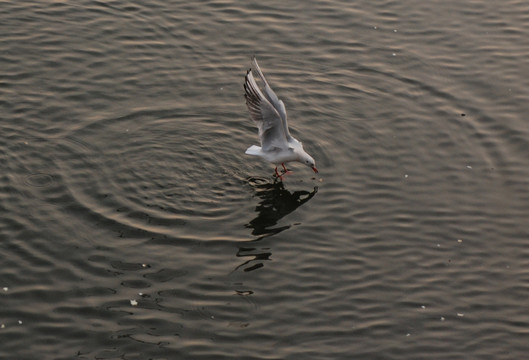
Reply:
x=276, y=202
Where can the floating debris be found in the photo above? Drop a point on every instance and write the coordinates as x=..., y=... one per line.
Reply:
x=460, y=314
x=406, y=176
x=408, y=334
x=20, y=322
x=395, y=30
x=5, y=288
x=469, y=167
x=133, y=302
x=459, y=240
x=2, y=326
x=442, y=318
x=423, y=307
x=374, y=27
x=394, y=54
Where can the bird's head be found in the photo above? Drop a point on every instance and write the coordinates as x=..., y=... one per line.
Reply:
x=309, y=161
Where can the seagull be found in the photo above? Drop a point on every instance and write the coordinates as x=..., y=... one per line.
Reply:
x=270, y=116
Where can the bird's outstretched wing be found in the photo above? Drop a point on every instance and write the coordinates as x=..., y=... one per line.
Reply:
x=273, y=99
x=265, y=115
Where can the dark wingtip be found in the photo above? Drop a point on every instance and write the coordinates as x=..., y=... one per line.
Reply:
x=246, y=79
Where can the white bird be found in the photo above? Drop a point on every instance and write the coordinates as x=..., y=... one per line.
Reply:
x=270, y=116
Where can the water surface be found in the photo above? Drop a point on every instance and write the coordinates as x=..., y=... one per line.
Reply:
x=135, y=227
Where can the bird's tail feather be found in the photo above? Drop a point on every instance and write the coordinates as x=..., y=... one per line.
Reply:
x=253, y=150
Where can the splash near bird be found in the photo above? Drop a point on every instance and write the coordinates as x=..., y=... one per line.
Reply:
x=270, y=116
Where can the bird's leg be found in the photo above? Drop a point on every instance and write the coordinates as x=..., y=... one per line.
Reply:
x=278, y=176
x=286, y=170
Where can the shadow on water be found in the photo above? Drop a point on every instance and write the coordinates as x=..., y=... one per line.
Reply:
x=276, y=202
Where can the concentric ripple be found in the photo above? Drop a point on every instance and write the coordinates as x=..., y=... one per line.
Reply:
x=152, y=172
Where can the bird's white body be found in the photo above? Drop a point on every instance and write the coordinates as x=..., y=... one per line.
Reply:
x=269, y=114
x=276, y=157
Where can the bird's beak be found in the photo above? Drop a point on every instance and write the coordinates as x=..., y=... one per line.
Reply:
x=314, y=168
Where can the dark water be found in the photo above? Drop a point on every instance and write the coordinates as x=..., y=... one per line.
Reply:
x=135, y=227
